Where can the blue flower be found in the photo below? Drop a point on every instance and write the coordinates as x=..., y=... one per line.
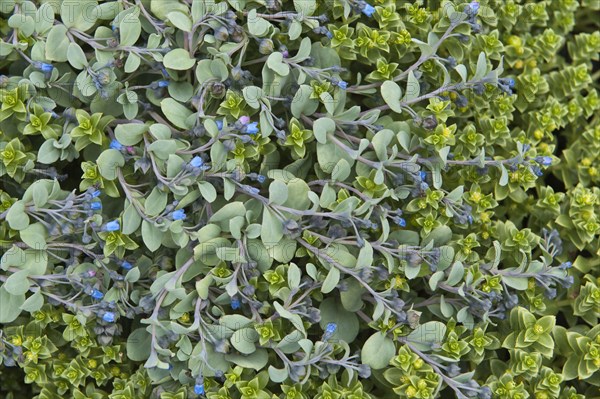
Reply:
x=109, y=317
x=331, y=328
x=342, y=85
x=46, y=68
x=329, y=34
x=219, y=124
x=400, y=221
x=510, y=82
x=96, y=294
x=178, y=214
x=199, y=389
x=474, y=6
x=96, y=194
x=565, y=265
x=196, y=162
x=368, y=10
x=261, y=178
x=423, y=175
x=544, y=161
x=568, y=281
x=252, y=128
x=163, y=83
x=126, y=265
x=235, y=303
x=550, y=293
x=115, y=145
x=96, y=206
x=113, y=226
x=329, y=331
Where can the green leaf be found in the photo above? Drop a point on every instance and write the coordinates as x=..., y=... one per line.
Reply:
x=228, y=211
x=179, y=60
x=180, y=20
x=151, y=235
x=276, y=64
x=130, y=28
x=298, y=195
x=163, y=149
x=481, y=68
x=208, y=191
x=426, y=334
x=328, y=101
x=462, y=71
x=13, y=256
x=48, y=153
x=244, y=340
x=78, y=14
x=365, y=256
x=341, y=171
x=518, y=283
x=302, y=104
x=293, y=276
x=252, y=96
x=130, y=133
x=256, y=25
x=278, y=375
x=331, y=281
x=34, y=302
x=352, y=296
x=40, y=194
x=18, y=283
x=139, y=344
x=235, y=321
x=203, y=286
x=377, y=351
x=381, y=143
x=131, y=65
x=256, y=360
x=347, y=323
x=131, y=220
x=107, y=11
x=413, y=88
x=11, y=305
x=209, y=69
x=176, y=113
x=504, y=176
x=34, y=236
x=392, y=93
x=16, y=217
x=156, y=202
x=456, y=273
x=133, y=275
x=328, y=156
x=278, y=192
x=435, y=279
x=322, y=127
x=109, y=163
x=76, y=56
x=57, y=44
x=272, y=228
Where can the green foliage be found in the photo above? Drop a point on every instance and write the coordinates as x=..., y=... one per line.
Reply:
x=299, y=199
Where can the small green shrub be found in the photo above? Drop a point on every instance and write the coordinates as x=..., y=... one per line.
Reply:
x=299, y=199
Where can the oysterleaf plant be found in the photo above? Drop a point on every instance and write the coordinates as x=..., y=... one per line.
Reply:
x=299, y=199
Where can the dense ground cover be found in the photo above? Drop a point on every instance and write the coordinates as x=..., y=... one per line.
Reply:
x=299, y=199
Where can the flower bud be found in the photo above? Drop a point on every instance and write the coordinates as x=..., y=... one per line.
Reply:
x=266, y=46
